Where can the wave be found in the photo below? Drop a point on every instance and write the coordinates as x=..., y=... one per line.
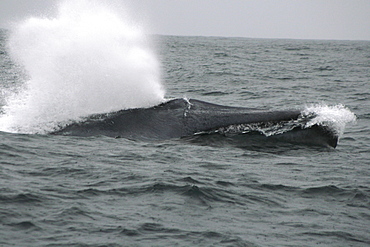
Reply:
x=171, y=236
x=22, y=198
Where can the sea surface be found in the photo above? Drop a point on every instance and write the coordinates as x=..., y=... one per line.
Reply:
x=101, y=191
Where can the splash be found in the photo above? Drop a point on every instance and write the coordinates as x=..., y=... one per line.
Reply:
x=91, y=58
x=335, y=117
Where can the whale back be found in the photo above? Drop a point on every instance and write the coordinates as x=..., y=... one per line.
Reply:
x=181, y=117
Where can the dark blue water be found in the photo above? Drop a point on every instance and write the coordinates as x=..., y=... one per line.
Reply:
x=100, y=191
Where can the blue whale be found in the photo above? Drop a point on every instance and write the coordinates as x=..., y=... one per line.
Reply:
x=179, y=118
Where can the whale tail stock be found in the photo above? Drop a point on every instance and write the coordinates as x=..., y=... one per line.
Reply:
x=181, y=118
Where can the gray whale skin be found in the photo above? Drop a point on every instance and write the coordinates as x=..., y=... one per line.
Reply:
x=184, y=118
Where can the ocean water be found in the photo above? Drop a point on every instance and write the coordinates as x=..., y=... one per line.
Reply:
x=100, y=191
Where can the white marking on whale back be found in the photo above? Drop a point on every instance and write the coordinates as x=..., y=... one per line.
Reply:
x=188, y=107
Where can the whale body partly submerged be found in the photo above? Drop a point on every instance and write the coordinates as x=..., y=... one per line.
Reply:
x=182, y=118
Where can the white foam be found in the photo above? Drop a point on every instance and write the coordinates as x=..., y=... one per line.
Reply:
x=336, y=117
x=90, y=58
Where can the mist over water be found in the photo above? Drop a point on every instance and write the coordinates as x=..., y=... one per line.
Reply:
x=91, y=58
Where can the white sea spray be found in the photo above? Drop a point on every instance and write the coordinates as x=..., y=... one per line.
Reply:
x=336, y=117
x=91, y=58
